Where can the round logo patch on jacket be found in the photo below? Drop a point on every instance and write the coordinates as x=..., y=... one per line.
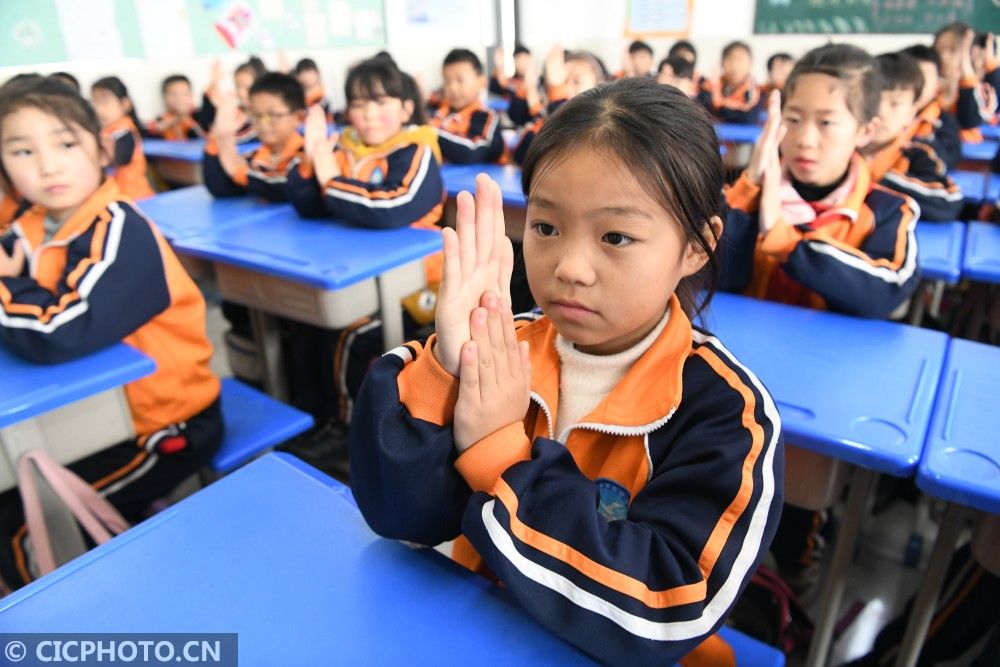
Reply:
x=614, y=500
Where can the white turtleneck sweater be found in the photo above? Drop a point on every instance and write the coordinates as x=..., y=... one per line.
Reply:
x=585, y=379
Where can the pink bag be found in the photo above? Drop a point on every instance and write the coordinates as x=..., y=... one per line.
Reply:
x=95, y=515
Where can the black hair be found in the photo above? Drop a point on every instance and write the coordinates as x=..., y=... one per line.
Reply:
x=283, y=86
x=464, y=56
x=639, y=45
x=374, y=77
x=254, y=66
x=73, y=82
x=53, y=96
x=923, y=53
x=171, y=80
x=733, y=46
x=956, y=28
x=306, y=65
x=384, y=56
x=665, y=139
x=980, y=39
x=681, y=66
x=853, y=67
x=776, y=57
x=521, y=48
x=23, y=76
x=899, y=71
x=683, y=45
x=116, y=87
x=411, y=92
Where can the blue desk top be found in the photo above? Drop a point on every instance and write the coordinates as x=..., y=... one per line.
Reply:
x=940, y=249
x=993, y=188
x=853, y=389
x=990, y=131
x=739, y=134
x=498, y=104
x=193, y=210
x=278, y=553
x=982, y=253
x=458, y=177
x=971, y=183
x=29, y=389
x=980, y=152
x=322, y=253
x=191, y=150
x=961, y=460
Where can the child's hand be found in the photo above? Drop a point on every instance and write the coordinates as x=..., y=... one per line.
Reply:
x=12, y=265
x=531, y=85
x=967, y=40
x=495, y=375
x=319, y=147
x=227, y=117
x=478, y=258
x=315, y=130
x=769, y=211
x=555, y=66
x=767, y=144
x=626, y=63
x=498, y=61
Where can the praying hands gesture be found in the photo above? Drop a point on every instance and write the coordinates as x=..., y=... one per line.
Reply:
x=475, y=326
x=764, y=168
x=319, y=147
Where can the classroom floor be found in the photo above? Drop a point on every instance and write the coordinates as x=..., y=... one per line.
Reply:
x=881, y=583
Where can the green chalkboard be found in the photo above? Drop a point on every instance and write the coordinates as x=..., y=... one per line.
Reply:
x=872, y=16
x=37, y=32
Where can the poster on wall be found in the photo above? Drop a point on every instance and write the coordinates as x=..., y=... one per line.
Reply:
x=165, y=28
x=655, y=18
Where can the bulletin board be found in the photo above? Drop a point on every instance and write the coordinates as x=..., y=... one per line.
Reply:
x=658, y=18
x=873, y=16
x=46, y=31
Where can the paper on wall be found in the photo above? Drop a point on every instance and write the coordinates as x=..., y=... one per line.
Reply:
x=90, y=29
x=165, y=28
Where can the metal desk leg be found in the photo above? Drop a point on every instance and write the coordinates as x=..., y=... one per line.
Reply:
x=930, y=587
x=917, y=305
x=862, y=486
x=935, y=306
x=268, y=342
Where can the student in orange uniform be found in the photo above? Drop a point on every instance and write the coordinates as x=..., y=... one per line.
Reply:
x=779, y=66
x=177, y=123
x=617, y=470
x=277, y=109
x=307, y=72
x=972, y=99
x=120, y=134
x=735, y=96
x=468, y=130
x=516, y=89
x=810, y=227
x=934, y=126
x=82, y=269
x=895, y=158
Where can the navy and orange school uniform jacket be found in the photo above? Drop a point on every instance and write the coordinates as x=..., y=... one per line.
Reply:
x=186, y=128
x=8, y=210
x=857, y=255
x=395, y=184
x=469, y=135
x=128, y=162
x=913, y=169
x=976, y=102
x=633, y=539
x=266, y=174
x=109, y=276
x=940, y=130
x=514, y=90
x=732, y=104
x=557, y=96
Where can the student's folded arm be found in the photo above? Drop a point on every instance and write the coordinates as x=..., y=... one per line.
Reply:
x=125, y=146
x=402, y=449
x=411, y=188
x=647, y=582
x=739, y=235
x=947, y=141
x=870, y=281
x=744, y=111
x=217, y=181
x=274, y=187
x=928, y=184
x=969, y=108
x=483, y=143
x=304, y=192
x=114, y=282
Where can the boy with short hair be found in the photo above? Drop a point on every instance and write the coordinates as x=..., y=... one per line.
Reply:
x=468, y=130
x=178, y=122
x=734, y=95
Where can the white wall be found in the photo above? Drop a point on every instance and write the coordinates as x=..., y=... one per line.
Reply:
x=418, y=49
x=598, y=25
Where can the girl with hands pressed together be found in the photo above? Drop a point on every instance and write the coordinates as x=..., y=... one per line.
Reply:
x=617, y=469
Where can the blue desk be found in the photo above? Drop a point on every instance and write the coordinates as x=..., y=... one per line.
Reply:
x=315, y=271
x=738, y=134
x=190, y=150
x=992, y=188
x=829, y=376
x=972, y=184
x=70, y=409
x=982, y=253
x=941, y=246
x=278, y=553
x=991, y=132
x=983, y=151
x=193, y=210
x=498, y=104
x=960, y=464
x=459, y=177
